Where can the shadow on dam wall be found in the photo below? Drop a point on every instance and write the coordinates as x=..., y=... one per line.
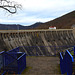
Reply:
x=45, y=38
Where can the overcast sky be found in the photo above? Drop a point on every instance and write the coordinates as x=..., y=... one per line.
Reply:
x=37, y=11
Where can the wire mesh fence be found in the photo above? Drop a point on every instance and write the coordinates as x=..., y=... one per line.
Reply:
x=44, y=50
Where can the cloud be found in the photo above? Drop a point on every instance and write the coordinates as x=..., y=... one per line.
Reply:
x=38, y=10
x=41, y=5
x=28, y=20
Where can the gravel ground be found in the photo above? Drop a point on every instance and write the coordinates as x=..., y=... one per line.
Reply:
x=42, y=66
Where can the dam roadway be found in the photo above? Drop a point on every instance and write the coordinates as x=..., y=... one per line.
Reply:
x=47, y=38
x=15, y=31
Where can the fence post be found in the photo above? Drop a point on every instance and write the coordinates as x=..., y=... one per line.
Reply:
x=36, y=50
x=55, y=50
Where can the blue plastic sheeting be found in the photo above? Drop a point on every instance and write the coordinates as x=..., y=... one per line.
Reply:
x=66, y=63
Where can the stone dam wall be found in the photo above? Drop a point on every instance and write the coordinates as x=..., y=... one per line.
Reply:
x=44, y=41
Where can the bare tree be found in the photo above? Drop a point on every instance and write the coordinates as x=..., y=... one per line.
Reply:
x=9, y=6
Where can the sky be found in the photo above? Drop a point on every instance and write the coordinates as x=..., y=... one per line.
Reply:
x=33, y=11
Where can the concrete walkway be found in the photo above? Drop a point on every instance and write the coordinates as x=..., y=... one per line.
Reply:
x=42, y=66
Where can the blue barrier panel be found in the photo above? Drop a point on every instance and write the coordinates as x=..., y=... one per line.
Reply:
x=8, y=58
x=74, y=51
x=21, y=63
x=9, y=62
x=13, y=61
x=14, y=50
x=1, y=59
x=62, y=64
x=66, y=63
x=3, y=73
x=15, y=65
x=69, y=65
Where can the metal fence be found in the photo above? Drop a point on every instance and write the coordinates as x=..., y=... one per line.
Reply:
x=15, y=59
x=12, y=61
x=44, y=50
x=66, y=63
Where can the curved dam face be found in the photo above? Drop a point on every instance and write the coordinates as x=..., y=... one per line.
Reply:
x=44, y=41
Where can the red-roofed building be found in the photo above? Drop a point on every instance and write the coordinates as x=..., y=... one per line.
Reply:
x=52, y=27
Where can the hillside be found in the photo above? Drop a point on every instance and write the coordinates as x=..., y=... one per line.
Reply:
x=64, y=22
x=17, y=26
